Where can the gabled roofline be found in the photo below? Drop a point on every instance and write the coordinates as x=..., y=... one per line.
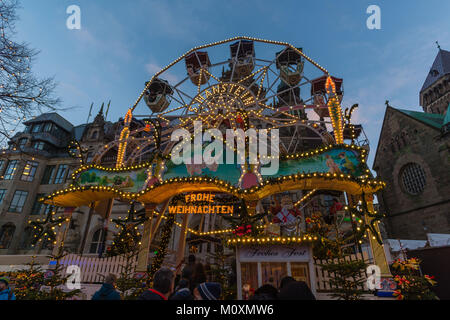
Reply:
x=379, y=138
x=388, y=108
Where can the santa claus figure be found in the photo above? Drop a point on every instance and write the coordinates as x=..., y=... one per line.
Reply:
x=286, y=215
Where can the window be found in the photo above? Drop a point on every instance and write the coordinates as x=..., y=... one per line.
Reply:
x=61, y=173
x=18, y=201
x=2, y=194
x=37, y=206
x=97, y=240
x=48, y=209
x=6, y=235
x=413, y=178
x=48, y=174
x=29, y=171
x=22, y=143
x=2, y=162
x=27, y=238
x=11, y=170
x=48, y=127
x=90, y=155
x=36, y=128
x=94, y=134
x=39, y=145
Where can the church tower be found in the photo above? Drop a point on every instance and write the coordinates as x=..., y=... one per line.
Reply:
x=435, y=92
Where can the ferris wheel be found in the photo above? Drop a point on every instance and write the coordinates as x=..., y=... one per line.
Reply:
x=236, y=83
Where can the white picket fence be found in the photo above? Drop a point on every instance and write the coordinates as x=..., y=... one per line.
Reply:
x=323, y=277
x=93, y=270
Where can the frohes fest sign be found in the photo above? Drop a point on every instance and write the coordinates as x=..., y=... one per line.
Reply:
x=275, y=253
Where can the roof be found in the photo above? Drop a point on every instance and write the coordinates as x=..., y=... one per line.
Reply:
x=438, y=239
x=431, y=119
x=447, y=116
x=441, y=67
x=78, y=131
x=53, y=117
x=400, y=244
x=433, y=240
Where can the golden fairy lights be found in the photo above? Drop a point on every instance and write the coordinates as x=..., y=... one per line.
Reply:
x=271, y=240
x=334, y=108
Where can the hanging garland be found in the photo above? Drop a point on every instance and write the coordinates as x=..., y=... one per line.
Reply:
x=166, y=232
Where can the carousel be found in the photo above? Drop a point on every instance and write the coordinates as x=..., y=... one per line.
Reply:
x=273, y=222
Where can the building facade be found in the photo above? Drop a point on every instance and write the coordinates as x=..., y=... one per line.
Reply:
x=413, y=157
x=37, y=163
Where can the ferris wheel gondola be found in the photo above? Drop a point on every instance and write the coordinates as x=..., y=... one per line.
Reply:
x=291, y=64
x=157, y=95
x=196, y=64
x=242, y=56
x=319, y=94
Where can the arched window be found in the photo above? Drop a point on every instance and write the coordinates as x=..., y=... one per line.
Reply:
x=412, y=177
x=6, y=235
x=94, y=134
x=96, y=242
x=27, y=238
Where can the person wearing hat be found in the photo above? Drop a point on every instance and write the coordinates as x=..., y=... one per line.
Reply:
x=5, y=292
x=208, y=291
x=107, y=291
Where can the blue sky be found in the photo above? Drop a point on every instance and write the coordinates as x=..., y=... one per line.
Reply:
x=122, y=43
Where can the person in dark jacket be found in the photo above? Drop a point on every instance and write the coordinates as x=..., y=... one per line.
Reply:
x=5, y=292
x=188, y=270
x=265, y=292
x=285, y=281
x=182, y=292
x=162, y=286
x=297, y=290
x=107, y=291
x=198, y=277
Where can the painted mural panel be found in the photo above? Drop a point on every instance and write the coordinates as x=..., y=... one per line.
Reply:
x=127, y=181
x=227, y=172
x=333, y=161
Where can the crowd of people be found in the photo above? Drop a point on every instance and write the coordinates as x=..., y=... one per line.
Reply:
x=193, y=284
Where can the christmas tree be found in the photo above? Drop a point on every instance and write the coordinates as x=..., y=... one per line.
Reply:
x=411, y=284
x=221, y=272
x=347, y=278
x=28, y=282
x=55, y=282
x=127, y=243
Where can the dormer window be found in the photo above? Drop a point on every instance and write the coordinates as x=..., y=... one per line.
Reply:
x=434, y=72
x=22, y=142
x=48, y=127
x=38, y=145
x=36, y=128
